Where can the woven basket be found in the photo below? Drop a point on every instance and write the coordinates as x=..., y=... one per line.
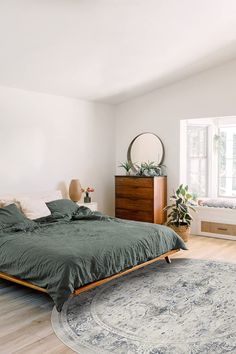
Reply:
x=183, y=231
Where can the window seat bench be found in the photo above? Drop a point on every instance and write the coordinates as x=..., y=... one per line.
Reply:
x=214, y=221
x=218, y=202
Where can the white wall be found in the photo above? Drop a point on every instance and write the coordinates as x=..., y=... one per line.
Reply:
x=209, y=94
x=47, y=140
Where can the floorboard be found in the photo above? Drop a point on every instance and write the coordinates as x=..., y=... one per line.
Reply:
x=25, y=326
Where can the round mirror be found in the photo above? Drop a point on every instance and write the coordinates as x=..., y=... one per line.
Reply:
x=145, y=147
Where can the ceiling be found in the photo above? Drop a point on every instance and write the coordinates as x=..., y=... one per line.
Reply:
x=111, y=50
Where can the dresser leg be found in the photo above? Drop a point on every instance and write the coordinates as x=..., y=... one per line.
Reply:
x=168, y=260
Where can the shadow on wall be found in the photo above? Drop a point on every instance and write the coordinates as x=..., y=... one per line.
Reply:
x=62, y=186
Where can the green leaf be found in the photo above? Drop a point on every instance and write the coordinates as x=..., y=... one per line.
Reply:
x=178, y=191
x=183, y=207
x=179, y=201
x=188, y=216
x=168, y=207
x=173, y=197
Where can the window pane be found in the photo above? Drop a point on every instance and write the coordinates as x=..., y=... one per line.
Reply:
x=197, y=141
x=197, y=159
x=227, y=161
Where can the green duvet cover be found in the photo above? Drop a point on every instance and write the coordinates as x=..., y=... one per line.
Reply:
x=62, y=255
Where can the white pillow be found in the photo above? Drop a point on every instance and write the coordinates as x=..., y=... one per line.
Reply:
x=50, y=196
x=6, y=199
x=45, y=196
x=34, y=208
x=9, y=200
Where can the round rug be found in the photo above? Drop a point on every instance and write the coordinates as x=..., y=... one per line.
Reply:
x=185, y=307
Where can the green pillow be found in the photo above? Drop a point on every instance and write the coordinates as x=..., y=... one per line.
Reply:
x=62, y=207
x=11, y=216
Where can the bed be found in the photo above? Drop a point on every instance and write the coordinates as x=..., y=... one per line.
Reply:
x=68, y=254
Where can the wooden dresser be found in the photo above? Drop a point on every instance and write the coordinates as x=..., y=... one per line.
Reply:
x=141, y=198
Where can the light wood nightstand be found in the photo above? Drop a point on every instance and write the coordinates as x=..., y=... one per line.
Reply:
x=93, y=206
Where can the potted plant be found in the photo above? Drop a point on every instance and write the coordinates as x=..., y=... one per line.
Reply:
x=87, y=198
x=150, y=169
x=127, y=165
x=179, y=217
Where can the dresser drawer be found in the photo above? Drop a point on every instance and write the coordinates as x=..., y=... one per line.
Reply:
x=134, y=204
x=140, y=198
x=218, y=228
x=138, y=182
x=137, y=215
x=134, y=191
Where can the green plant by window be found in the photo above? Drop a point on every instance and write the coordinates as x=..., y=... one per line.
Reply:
x=179, y=211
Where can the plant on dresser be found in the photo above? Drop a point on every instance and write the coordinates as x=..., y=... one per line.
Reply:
x=147, y=169
x=141, y=198
x=150, y=169
x=127, y=165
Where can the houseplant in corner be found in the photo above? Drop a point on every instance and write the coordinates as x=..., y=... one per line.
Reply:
x=179, y=217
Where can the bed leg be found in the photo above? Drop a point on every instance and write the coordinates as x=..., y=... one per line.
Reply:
x=168, y=260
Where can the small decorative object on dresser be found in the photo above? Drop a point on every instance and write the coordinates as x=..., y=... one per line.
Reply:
x=93, y=206
x=150, y=169
x=87, y=198
x=141, y=198
x=127, y=165
x=75, y=190
x=179, y=218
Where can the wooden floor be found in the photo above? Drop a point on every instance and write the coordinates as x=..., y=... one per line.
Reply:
x=25, y=325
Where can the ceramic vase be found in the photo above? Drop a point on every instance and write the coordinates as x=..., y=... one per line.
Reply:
x=75, y=190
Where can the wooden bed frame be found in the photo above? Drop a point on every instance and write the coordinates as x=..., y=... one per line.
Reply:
x=95, y=283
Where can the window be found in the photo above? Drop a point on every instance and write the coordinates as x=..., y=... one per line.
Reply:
x=209, y=153
x=227, y=162
x=197, y=159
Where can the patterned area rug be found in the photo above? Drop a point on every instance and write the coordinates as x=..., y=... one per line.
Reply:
x=187, y=307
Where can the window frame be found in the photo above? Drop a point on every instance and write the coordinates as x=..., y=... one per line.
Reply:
x=218, y=172
x=213, y=128
x=206, y=157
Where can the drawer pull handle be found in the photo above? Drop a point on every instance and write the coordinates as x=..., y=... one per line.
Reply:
x=221, y=229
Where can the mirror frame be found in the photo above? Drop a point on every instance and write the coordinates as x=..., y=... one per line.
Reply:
x=130, y=148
